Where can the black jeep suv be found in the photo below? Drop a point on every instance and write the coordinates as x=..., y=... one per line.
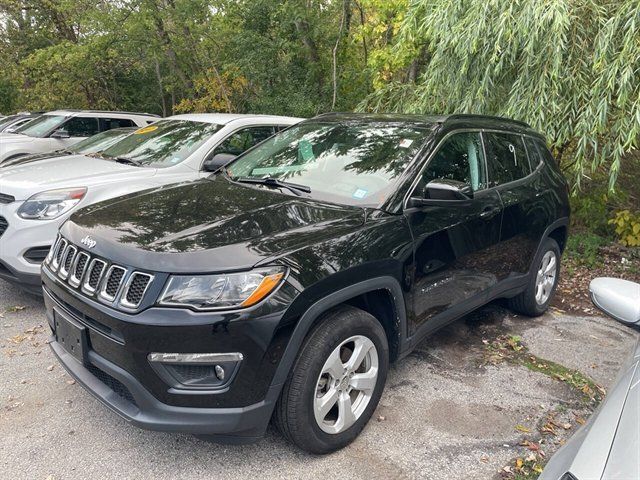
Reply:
x=282, y=286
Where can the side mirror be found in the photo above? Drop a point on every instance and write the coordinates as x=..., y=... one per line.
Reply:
x=442, y=189
x=620, y=299
x=62, y=133
x=216, y=162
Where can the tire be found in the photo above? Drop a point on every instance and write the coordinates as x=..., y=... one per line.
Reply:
x=342, y=330
x=527, y=302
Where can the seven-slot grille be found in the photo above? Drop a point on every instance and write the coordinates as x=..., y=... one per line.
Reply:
x=96, y=277
x=3, y=225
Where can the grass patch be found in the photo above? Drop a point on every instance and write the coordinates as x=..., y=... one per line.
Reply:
x=511, y=349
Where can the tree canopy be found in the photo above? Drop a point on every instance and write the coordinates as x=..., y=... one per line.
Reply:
x=570, y=68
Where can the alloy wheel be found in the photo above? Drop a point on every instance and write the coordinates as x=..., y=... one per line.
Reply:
x=546, y=277
x=346, y=384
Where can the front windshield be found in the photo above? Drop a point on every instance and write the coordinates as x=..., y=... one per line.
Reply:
x=41, y=126
x=4, y=121
x=163, y=144
x=101, y=141
x=352, y=163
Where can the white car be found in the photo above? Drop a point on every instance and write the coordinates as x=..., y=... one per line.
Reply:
x=37, y=197
x=62, y=128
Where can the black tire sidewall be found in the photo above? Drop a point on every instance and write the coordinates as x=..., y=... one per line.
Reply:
x=334, y=331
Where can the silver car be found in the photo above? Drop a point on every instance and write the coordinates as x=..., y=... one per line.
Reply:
x=37, y=197
x=607, y=447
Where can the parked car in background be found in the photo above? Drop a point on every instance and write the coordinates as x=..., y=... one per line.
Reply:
x=62, y=128
x=35, y=198
x=13, y=122
x=94, y=144
x=607, y=447
x=284, y=285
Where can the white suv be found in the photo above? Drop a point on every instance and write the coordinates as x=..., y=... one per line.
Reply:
x=62, y=128
x=37, y=197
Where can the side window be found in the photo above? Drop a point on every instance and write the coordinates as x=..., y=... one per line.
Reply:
x=239, y=141
x=81, y=126
x=109, y=123
x=459, y=158
x=506, y=158
x=535, y=157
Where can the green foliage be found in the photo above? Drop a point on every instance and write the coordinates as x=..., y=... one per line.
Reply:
x=627, y=225
x=569, y=68
x=584, y=248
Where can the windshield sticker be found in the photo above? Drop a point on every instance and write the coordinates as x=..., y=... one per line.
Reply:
x=360, y=193
x=148, y=129
x=306, y=150
x=405, y=143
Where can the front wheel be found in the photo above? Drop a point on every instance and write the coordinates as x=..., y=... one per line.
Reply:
x=336, y=383
x=535, y=300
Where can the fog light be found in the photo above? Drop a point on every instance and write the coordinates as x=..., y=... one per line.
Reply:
x=196, y=370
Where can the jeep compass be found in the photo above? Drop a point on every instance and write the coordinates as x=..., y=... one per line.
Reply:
x=282, y=286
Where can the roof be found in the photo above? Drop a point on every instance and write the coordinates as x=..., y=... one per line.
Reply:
x=453, y=120
x=224, y=118
x=107, y=112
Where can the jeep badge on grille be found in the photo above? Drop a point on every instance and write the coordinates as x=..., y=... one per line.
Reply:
x=88, y=242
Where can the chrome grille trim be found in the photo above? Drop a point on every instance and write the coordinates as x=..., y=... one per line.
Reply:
x=76, y=277
x=124, y=302
x=95, y=263
x=55, y=263
x=110, y=283
x=113, y=269
x=49, y=257
x=67, y=261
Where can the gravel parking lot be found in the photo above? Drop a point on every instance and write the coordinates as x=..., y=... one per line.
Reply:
x=447, y=412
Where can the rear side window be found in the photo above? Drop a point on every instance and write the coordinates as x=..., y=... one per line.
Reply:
x=109, y=123
x=506, y=158
x=81, y=126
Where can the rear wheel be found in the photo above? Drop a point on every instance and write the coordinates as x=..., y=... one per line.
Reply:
x=535, y=300
x=336, y=383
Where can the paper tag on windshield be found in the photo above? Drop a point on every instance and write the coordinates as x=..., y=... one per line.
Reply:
x=360, y=193
x=405, y=143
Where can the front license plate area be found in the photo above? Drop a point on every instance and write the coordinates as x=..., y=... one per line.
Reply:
x=71, y=336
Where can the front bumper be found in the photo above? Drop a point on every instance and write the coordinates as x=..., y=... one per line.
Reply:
x=21, y=236
x=123, y=394
x=118, y=373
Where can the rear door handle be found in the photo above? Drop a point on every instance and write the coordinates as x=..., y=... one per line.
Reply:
x=489, y=212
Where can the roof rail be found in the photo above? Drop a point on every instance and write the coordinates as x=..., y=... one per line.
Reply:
x=108, y=111
x=478, y=116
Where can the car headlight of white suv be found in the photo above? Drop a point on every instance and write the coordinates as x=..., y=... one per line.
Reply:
x=51, y=203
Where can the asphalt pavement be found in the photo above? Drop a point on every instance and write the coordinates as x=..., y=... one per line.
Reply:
x=446, y=413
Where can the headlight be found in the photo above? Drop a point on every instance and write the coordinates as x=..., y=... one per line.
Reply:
x=234, y=290
x=51, y=204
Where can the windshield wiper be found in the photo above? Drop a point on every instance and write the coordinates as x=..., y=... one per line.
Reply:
x=294, y=188
x=128, y=161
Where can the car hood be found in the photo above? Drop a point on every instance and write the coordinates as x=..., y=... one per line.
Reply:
x=606, y=448
x=207, y=225
x=6, y=138
x=23, y=180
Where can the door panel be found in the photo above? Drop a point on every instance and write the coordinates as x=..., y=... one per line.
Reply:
x=454, y=240
x=510, y=168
